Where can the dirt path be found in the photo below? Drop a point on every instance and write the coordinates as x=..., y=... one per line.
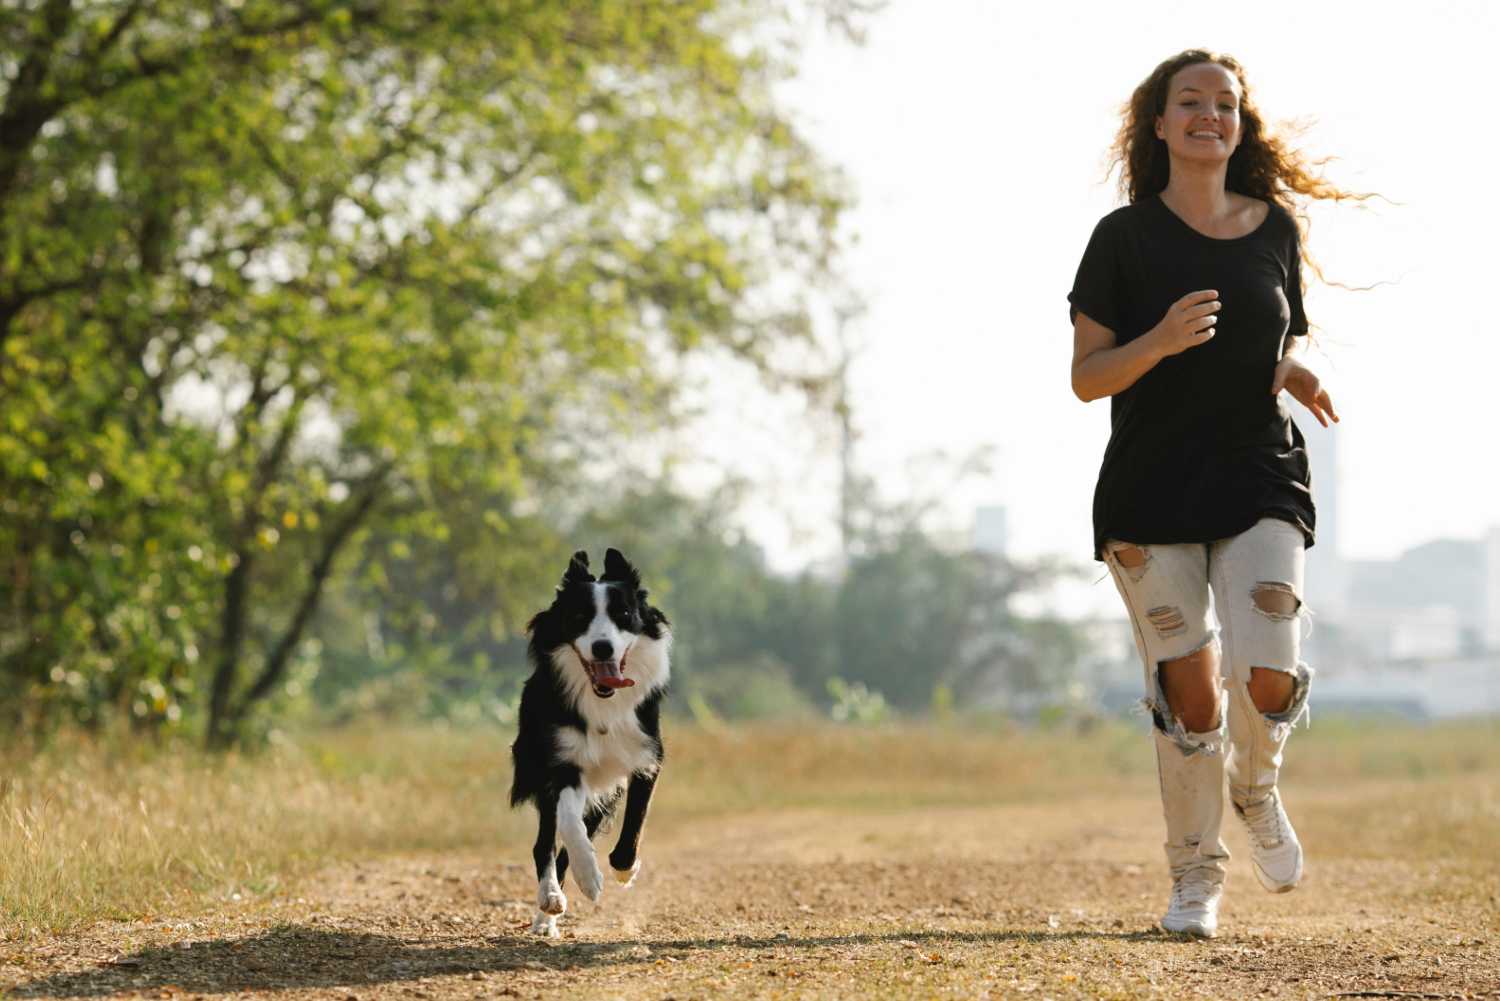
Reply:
x=1038, y=901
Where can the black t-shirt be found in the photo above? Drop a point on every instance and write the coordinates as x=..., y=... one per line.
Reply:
x=1199, y=449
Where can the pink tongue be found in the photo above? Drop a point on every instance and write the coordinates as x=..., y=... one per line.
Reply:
x=607, y=673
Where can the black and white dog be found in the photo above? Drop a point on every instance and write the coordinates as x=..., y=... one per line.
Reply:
x=590, y=726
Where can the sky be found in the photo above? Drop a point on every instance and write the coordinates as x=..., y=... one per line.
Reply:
x=973, y=134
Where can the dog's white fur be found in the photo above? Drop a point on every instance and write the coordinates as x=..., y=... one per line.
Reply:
x=575, y=838
x=613, y=747
x=607, y=753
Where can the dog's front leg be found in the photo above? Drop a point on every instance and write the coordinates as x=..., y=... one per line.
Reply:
x=575, y=835
x=550, y=901
x=623, y=859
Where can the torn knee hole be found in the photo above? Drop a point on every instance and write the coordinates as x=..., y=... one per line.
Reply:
x=1167, y=620
x=1272, y=689
x=1281, y=723
x=1175, y=729
x=1276, y=600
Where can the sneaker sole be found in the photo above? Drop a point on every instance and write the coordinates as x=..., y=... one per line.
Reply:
x=1276, y=886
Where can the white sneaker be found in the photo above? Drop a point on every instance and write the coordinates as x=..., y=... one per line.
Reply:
x=1274, y=847
x=1194, y=907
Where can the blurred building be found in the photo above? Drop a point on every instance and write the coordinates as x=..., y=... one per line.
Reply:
x=1327, y=582
x=991, y=529
x=1492, y=590
x=1437, y=600
x=1424, y=689
x=1417, y=635
x=1432, y=594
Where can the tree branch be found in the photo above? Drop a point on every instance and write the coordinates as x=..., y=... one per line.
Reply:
x=121, y=25
x=280, y=656
x=26, y=111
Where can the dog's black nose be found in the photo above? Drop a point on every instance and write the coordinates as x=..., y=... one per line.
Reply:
x=603, y=650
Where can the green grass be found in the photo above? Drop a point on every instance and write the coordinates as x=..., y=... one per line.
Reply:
x=92, y=831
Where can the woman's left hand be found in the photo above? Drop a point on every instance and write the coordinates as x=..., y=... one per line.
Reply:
x=1306, y=388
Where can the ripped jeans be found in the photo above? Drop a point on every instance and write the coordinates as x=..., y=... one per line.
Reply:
x=1255, y=582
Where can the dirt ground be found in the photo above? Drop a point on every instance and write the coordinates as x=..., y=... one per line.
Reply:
x=1021, y=900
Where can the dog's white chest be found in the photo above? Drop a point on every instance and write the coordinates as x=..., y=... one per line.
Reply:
x=608, y=753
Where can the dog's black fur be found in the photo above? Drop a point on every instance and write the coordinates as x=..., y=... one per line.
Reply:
x=590, y=727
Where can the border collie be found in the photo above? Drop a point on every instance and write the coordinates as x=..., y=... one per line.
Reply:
x=590, y=726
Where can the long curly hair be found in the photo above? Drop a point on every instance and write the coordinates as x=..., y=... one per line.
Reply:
x=1264, y=166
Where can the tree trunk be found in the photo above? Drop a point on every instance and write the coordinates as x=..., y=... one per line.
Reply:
x=231, y=648
x=227, y=715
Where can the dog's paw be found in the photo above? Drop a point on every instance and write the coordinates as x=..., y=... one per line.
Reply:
x=545, y=925
x=627, y=876
x=550, y=900
x=588, y=877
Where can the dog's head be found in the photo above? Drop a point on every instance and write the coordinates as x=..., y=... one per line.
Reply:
x=606, y=624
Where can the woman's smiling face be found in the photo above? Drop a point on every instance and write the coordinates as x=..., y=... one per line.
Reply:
x=1201, y=120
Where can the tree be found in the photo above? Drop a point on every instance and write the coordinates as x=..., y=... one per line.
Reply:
x=275, y=269
x=913, y=615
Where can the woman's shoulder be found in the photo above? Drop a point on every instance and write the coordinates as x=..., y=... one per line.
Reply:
x=1281, y=231
x=1128, y=218
x=1132, y=212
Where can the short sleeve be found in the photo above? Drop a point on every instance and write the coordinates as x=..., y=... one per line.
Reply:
x=1098, y=284
x=1298, y=325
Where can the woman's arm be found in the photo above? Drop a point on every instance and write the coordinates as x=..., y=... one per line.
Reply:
x=1303, y=383
x=1100, y=368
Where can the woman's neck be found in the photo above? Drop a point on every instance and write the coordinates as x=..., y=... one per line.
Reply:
x=1196, y=193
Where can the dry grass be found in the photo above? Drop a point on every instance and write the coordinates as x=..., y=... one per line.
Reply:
x=91, y=832
x=781, y=862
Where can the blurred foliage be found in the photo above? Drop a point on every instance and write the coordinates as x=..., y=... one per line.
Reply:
x=855, y=703
x=284, y=281
x=910, y=625
x=329, y=327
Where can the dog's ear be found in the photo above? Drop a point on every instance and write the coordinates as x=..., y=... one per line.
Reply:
x=654, y=616
x=617, y=567
x=578, y=570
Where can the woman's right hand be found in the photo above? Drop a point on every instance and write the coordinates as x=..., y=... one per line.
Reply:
x=1101, y=367
x=1188, y=323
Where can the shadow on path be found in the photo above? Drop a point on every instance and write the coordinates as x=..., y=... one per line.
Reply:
x=292, y=956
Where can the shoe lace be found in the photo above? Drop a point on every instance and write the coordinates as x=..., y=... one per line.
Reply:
x=1192, y=888
x=1265, y=821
